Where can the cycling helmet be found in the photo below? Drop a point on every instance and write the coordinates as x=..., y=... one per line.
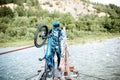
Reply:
x=56, y=24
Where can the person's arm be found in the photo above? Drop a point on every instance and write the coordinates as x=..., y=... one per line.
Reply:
x=62, y=35
x=50, y=33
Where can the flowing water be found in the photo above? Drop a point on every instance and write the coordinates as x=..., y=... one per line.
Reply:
x=94, y=59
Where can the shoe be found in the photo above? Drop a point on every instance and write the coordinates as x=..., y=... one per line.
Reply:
x=49, y=73
x=58, y=68
x=49, y=68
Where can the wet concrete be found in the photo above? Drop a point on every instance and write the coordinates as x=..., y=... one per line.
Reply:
x=95, y=59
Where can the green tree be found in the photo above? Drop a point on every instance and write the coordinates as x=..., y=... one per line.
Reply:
x=20, y=11
x=2, y=2
x=6, y=11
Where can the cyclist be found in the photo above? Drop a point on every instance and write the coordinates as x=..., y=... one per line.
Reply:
x=57, y=37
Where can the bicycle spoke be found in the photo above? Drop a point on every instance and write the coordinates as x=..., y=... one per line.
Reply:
x=40, y=35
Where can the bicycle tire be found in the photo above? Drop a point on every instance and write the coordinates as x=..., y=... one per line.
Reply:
x=52, y=70
x=43, y=36
x=44, y=76
x=47, y=71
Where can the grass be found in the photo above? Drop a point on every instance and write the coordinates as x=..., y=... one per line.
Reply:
x=83, y=38
x=16, y=43
x=93, y=38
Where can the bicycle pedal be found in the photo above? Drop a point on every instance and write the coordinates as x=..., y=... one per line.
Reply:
x=40, y=59
x=58, y=78
x=49, y=75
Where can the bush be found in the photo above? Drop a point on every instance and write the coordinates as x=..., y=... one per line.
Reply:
x=6, y=11
x=30, y=12
x=2, y=35
x=55, y=14
x=12, y=32
x=3, y=27
x=30, y=33
x=70, y=35
x=51, y=5
x=21, y=22
x=66, y=19
x=20, y=10
x=71, y=27
x=16, y=32
x=33, y=22
x=4, y=23
x=46, y=3
x=57, y=3
x=5, y=38
x=2, y=2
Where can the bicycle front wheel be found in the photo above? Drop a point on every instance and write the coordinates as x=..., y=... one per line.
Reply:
x=40, y=35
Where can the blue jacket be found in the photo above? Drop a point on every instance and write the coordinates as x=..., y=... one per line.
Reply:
x=57, y=37
x=54, y=42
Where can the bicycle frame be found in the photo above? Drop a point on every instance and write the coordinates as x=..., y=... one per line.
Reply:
x=49, y=54
x=49, y=60
x=43, y=34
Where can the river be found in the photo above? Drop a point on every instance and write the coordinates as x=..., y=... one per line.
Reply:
x=98, y=59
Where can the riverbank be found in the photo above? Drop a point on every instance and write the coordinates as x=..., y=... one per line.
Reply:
x=93, y=37
x=79, y=40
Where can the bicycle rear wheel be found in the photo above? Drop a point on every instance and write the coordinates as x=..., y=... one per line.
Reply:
x=44, y=75
x=50, y=71
x=40, y=35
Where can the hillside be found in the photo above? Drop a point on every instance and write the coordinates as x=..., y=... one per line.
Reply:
x=74, y=7
x=84, y=21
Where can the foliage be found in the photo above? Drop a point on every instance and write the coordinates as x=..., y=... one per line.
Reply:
x=6, y=11
x=4, y=24
x=21, y=23
x=5, y=1
x=19, y=2
x=20, y=11
x=111, y=23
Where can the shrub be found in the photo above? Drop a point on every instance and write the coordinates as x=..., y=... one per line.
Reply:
x=2, y=37
x=70, y=35
x=50, y=5
x=66, y=19
x=57, y=3
x=71, y=27
x=6, y=11
x=21, y=22
x=46, y=3
x=3, y=27
x=20, y=10
x=4, y=23
x=30, y=12
x=11, y=32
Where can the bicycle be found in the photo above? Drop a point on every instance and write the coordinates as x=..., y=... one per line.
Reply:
x=41, y=35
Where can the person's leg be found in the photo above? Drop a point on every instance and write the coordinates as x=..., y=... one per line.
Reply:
x=52, y=56
x=58, y=52
x=58, y=59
